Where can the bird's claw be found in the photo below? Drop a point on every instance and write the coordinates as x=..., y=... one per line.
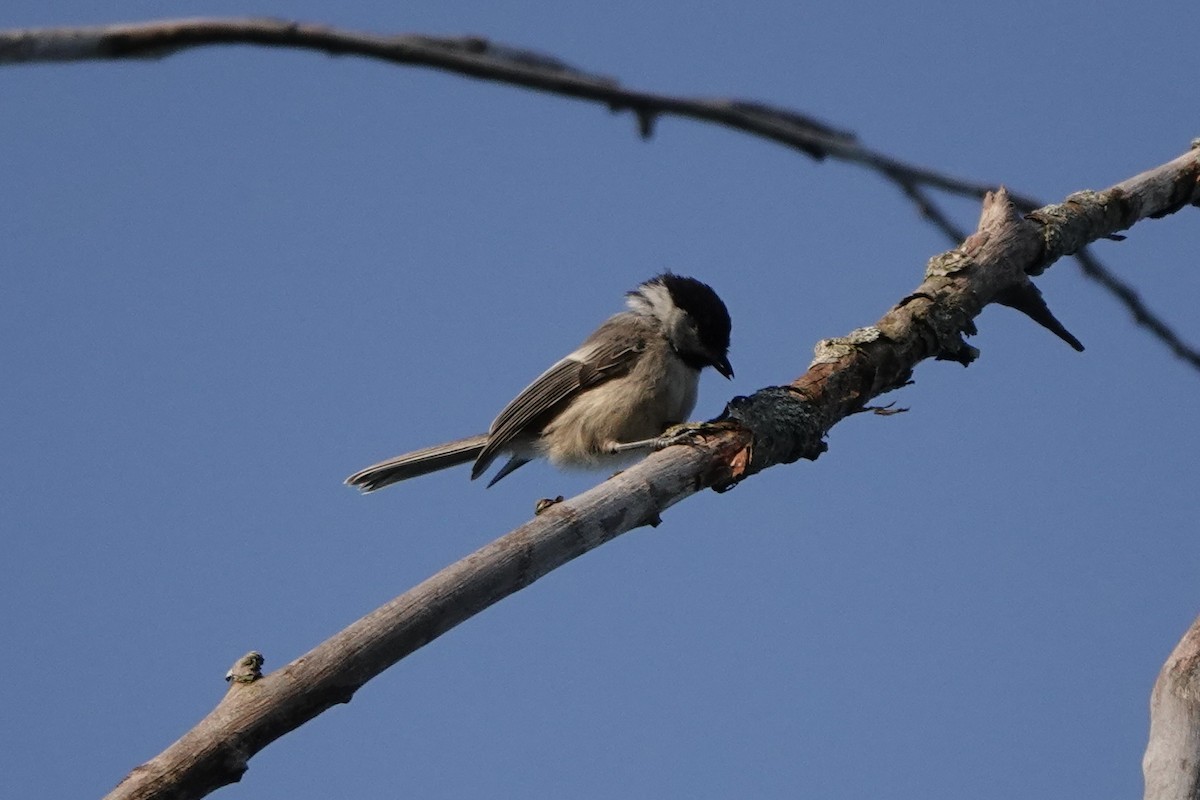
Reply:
x=683, y=433
x=545, y=503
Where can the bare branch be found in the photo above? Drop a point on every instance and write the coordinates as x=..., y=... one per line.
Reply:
x=478, y=57
x=253, y=714
x=1142, y=315
x=776, y=425
x=472, y=56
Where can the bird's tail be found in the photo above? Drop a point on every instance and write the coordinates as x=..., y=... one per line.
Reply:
x=418, y=462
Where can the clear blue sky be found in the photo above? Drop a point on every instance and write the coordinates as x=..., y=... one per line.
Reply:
x=232, y=277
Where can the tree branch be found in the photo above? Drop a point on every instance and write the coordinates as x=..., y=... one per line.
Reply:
x=480, y=58
x=1171, y=765
x=775, y=425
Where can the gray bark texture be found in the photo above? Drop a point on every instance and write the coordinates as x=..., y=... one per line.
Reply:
x=1171, y=765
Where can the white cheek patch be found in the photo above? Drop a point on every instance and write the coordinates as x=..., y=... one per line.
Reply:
x=650, y=298
x=655, y=300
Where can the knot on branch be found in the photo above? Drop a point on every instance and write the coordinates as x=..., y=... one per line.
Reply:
x=784, y=426
x=948, y=325
x=246, y=669
x=941, y=326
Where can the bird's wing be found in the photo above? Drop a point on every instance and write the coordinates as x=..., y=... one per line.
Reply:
x=606, y=354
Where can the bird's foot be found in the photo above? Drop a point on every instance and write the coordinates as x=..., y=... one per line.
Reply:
x=545, y=503
x=684, y=433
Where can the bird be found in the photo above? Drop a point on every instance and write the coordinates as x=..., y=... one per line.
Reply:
x=632, y=379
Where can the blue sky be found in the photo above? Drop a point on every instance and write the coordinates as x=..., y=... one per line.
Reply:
x=233, y=277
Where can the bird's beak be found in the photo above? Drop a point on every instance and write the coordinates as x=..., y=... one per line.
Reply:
x=721, y=365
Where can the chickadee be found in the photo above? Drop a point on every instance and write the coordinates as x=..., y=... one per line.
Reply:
x=633, y=378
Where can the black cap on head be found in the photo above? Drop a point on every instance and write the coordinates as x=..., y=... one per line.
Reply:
x=708, y=310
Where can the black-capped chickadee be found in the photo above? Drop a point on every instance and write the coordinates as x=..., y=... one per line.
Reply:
x=632, y=379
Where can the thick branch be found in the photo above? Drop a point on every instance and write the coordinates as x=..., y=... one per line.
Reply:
x=481, y=58
x=775, y=425
x=1171, y=765
x=790, y=422
x=253, y=714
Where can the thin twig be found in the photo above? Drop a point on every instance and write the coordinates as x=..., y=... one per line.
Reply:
x=1143, y=316
x=481, y=58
